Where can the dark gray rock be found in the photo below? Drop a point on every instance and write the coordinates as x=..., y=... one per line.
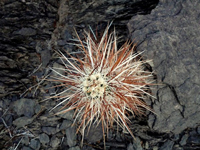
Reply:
x=49, y=130
x=54, y=142
x=167, y=111
x=194, y=140
x=198, y=129
x=94, y=134
x=25, y=140
x=167, y=145
x=24, y=107
x=8, y=119
x=71, y=136
x=2, y=88
x=65, y=124
x=26, y=148
x=130, y=146
x=26, y=31
x=22, y=24
x=74, y=148
x=177, y=147
x=170, y=37
x=84, y=13
x=184, y=139
x=106, y=10
x=68, y=115
x=35, y=144
x=37, y=108
x=44, y=49
x=22, y=121
x=136, y=145
x=44, y=138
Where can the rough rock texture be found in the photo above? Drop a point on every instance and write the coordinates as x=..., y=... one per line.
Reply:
x=23, y=25
x=97, y=14
x=170, y=37
x=32, y=29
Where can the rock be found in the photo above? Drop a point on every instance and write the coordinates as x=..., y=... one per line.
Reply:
x=22, y=121
x=58, y=68
x=177, y=147
x=49, y=130
x=24, y=107
x=26, y=32
x=68, y=115
x=71, y=136
x=44, y=138
x=8, y=119
x=26, y=148
x=25, y=140
x=170, y=37
x=95, y=133
x=54, y=142
x=65, y=124
x=35, y=144
x=155, y=148
x=2, y=89
x=194, y=140
x=166, y=120
x=64, y=143
x=175, y=137
x=44, y=50
x=193, y=133
x=184, y=139
x=96, y=14
x=45, y=56
x=135, y=146
x=37, y=108
x=130, y=146
x=74, y=148
x=198, y=129
x=6, y=62
x=26, y=23
x=146, y=145
x=167, y=145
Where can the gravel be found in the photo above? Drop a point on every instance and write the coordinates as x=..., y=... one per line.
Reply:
x=71, y=136
x=31, y=31
x=44, y=138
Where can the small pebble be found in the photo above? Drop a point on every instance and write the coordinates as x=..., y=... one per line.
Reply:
x=22, y=121
x=71, y=136
x=65, y=124
x=49, y=130
x=54, y=142
x=44, y=138
x=184, y=139
x=24, y=107
x=74, y=148
x=35, y=144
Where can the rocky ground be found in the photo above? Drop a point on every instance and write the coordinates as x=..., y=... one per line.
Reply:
x=31, y=31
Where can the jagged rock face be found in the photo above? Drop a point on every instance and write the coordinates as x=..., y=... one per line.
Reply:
x=170, y=37
x=25, y=26
x=97, y=14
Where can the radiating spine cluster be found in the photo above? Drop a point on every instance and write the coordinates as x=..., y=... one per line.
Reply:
x=106, y=84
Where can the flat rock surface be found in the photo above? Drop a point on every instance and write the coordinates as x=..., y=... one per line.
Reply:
x=170, y=37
